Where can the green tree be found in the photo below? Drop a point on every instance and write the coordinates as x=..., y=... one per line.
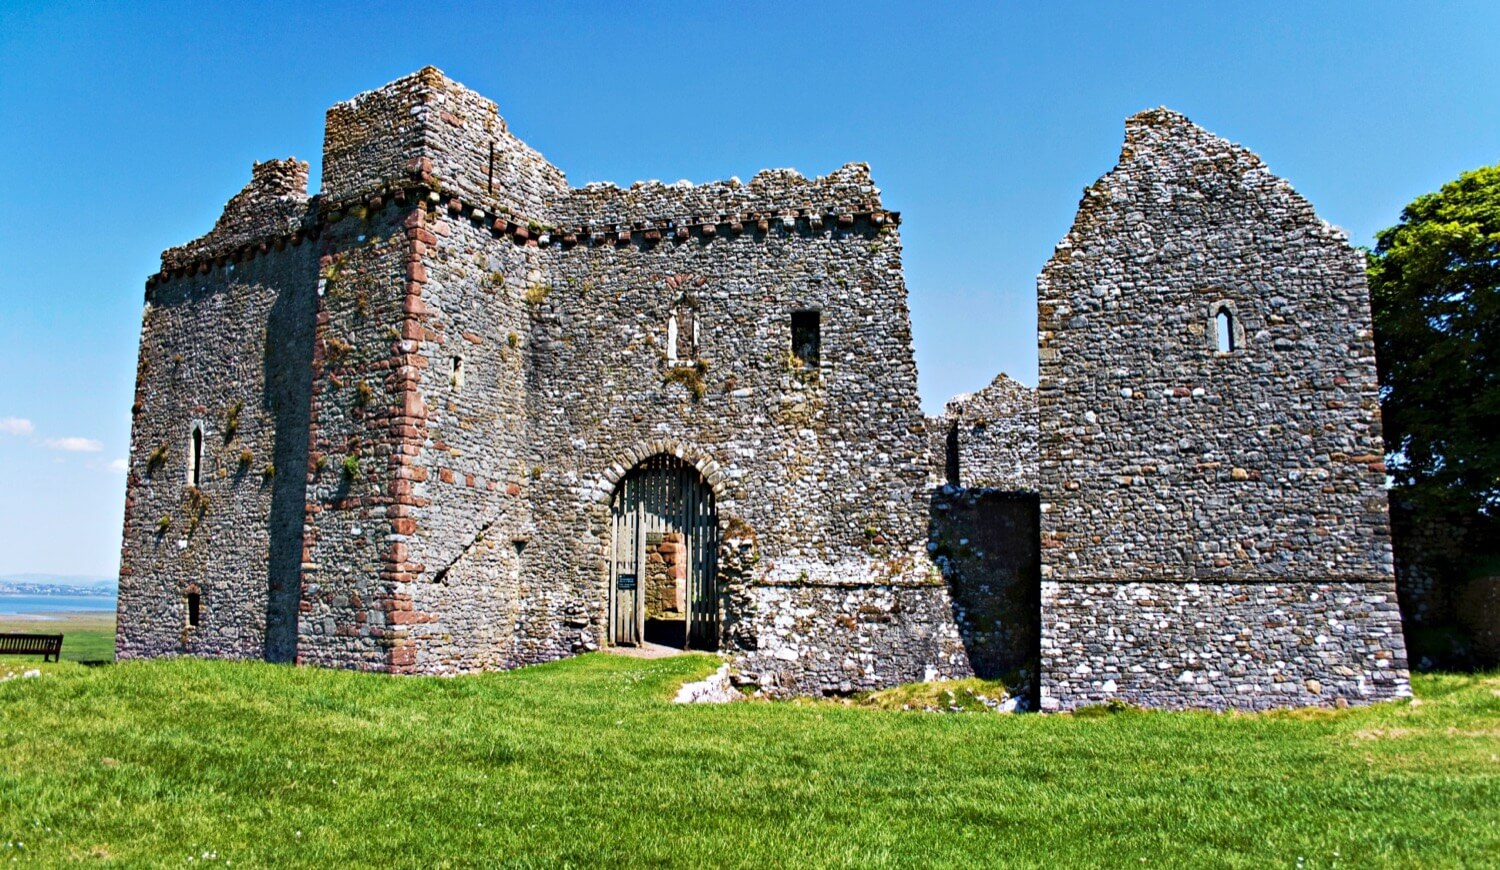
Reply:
x=1435, y=292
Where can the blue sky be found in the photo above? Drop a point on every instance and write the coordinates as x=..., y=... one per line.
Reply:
x=125, y=127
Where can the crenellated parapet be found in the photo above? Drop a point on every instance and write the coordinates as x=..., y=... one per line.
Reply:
x=774, y=198
x=273, y=209
x=261, y=225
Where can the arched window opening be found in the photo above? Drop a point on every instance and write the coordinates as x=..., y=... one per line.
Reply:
x=1224, y=330
x=195, y=457
x=457, y=378
x=682, y=332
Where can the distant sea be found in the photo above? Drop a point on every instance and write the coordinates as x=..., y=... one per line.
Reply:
x=17, y=605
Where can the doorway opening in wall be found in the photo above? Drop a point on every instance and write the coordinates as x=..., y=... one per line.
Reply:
x=663, y=557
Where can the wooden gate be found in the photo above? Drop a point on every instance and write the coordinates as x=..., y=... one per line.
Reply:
x=663, y=509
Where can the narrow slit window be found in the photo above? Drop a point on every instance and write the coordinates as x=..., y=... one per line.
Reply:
x=952, y=463
x=194, y=609
x=806, y=337
x=195, y=457
x=1224, y=330
x=458, y=373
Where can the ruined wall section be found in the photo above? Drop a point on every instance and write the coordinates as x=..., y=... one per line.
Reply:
x=774, y=197
x=987, y=544
x=1260, y=464
x=1166, y=459
x=993, y=433
x=826, y=464
x=273, y=207
x=225, y=347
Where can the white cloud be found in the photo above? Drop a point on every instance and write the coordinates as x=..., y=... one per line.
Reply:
x=75, y=445
x=119, y=465
x=15, y=426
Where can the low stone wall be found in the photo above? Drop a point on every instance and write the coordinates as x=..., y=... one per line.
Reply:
x=816, y=639
x=1221, y=646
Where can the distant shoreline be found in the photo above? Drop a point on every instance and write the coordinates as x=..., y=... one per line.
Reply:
x=32, y=606
x=56, y=615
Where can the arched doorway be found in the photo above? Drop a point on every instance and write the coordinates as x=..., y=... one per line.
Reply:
x=663, y=564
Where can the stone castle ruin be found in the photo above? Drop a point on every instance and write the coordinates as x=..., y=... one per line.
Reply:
x=451, y=414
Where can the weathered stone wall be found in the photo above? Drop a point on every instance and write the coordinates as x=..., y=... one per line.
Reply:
x=1243, y=646
x=666, y=576
x=986, y=543
x=825, y=463
x=435, y=296
x=269, y=211
x=836, y=639
x=225, y=346
x=361, y=420
x=1165, y=459
x=990, y=436
x=1186, y=463
x=532, y=364
x=471, y=534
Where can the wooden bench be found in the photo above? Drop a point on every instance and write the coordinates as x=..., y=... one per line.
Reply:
x=48, y=646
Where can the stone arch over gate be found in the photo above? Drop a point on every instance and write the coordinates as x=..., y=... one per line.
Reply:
x=641, y=450
x=658, y=507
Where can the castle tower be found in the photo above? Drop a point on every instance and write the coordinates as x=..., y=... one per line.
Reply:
x=514, y=420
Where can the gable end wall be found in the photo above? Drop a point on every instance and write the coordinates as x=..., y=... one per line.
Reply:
x=1214, y=525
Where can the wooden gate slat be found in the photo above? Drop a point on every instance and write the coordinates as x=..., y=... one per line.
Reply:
x=664, y=495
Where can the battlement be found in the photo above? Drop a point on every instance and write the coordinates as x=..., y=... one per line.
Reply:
x=274, y=205
x=425, y=137
x=772, y=195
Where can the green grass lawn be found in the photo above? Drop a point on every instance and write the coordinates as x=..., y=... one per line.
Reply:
x=87, y=636
x=586, y=762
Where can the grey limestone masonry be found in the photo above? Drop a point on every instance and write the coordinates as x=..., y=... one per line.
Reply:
x=223, y=375
x=396, y=426
x=1208, y=416
x=986, y=541
x=988, y=439
x=1249, y=646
